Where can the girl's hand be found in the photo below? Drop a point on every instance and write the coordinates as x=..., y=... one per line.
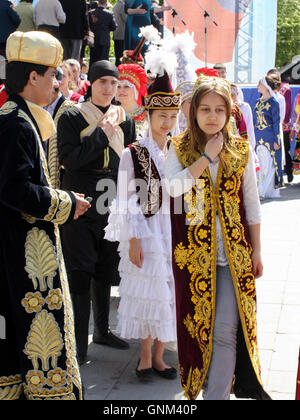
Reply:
x=214, y=146
x=136, y=255
x=257, y=265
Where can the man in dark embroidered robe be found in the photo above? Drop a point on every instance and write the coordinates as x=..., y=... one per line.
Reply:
x=37, y=346
x=91, y=137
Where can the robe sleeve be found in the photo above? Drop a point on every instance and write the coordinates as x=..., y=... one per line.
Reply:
x=126, y=219
x=19, y=165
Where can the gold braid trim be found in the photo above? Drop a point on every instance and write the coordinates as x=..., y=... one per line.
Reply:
x=61, y=203
x=53, y=161
x=11, y=387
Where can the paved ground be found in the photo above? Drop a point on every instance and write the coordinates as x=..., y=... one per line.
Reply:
x=110, y=374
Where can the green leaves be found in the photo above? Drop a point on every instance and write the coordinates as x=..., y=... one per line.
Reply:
x=288, y=31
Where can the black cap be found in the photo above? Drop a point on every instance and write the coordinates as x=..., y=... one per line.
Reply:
x=102, y=68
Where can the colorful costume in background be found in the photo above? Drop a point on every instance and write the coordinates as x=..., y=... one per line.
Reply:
x=286, y=92
x=267, y=132
x=135, y=76
x=295, y=144
x=240, y=122
x=38, y=352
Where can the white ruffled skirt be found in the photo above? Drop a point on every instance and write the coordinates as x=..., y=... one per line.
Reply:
x=147, y=305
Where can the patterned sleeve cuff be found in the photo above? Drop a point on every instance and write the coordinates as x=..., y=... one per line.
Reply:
x=62, y=209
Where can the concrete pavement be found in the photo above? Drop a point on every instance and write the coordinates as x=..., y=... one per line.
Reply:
x=109, y=374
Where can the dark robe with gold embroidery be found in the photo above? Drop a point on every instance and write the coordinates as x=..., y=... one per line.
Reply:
x=37, y=346
x=266, y=118
x=194, y=267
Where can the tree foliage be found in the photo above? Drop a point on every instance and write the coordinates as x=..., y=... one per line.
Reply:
x=288, y=31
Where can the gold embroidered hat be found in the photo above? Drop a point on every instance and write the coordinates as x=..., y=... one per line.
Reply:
x=34, y=47
x=162, y=95
x=205, y=78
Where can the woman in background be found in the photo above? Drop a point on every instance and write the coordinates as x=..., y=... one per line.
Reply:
x=131, y=92
x=25, y=11
x=268, y=140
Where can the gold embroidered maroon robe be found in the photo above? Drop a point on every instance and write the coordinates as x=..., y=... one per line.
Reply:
x=194, y=266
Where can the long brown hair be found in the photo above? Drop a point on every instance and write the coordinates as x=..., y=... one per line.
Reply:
x=194, y=135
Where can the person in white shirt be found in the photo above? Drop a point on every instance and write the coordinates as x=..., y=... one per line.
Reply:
x=48, y=15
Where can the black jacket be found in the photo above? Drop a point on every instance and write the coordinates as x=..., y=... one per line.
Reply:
x=76, y=25
x=82, y=159
x=9, y=20
x=104, y=24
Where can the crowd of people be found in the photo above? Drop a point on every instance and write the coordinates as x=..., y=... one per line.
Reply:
x=79, y=24
x=141, y=175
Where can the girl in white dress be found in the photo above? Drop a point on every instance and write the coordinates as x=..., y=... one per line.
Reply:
x=142, y=226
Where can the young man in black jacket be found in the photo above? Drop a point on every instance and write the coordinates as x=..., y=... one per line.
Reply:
x=91, y=137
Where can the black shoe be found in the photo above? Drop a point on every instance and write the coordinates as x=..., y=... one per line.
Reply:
x=168, y=373
x=290, y=177
x=110, y=340
x=145, y=375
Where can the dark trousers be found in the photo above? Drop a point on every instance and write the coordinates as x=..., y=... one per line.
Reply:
x=119, y=49
x=3, y=49
x=99, y=52
x=92, y=265
x=53, y=30
x=288, y=158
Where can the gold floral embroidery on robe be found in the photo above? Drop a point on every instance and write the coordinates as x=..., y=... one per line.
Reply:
x=41, y=261
x=199, y=258
x=44, y=341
